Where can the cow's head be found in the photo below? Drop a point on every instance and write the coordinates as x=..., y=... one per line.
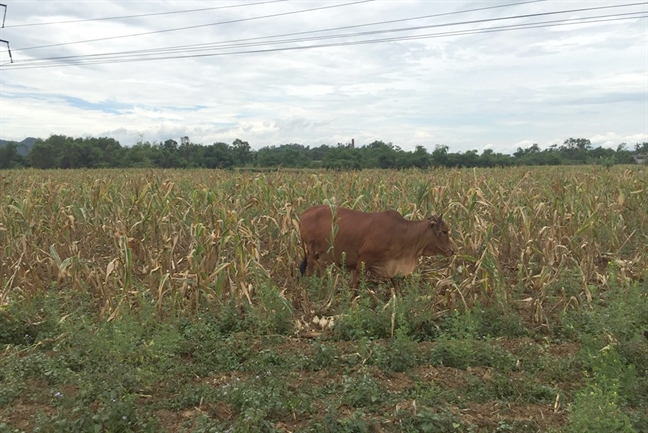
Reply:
x=439, y=241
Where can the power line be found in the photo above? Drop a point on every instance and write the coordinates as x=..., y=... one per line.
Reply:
x=320, y=30
x=360, y=25
x=523, y=26
x=238, y=43
x=78, y=61
x=199, y=25
x=145, y=15
x=257, y=38
x=156, y=53
x=312, y=31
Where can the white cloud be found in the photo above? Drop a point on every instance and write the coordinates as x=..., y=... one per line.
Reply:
x=612, y=139
x=494, y=90
x=524, y=144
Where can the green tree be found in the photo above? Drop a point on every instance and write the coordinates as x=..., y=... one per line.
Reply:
x=440, y=156
x=286, y=155
x=9, y=156
x=420, y=157
x=73, y=153
x=219, y=155
x=106, y=152
x=577, y=143
x=42, y=154
x=467, y=159
x=191, y=154
x=168, y=156
x=641, y=148
x=242, y=152
x=487, y=158
x=142, y=154
x=520, y=153
x=342, y=157
x=575, y=150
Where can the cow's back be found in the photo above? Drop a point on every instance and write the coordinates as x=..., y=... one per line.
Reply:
x=354, y=229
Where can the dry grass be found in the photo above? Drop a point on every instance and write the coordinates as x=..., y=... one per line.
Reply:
x=181, y=239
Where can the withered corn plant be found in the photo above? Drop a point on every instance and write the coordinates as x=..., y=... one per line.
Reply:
x=184, y=240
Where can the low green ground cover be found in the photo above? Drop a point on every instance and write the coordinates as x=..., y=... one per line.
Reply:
x=248, y=369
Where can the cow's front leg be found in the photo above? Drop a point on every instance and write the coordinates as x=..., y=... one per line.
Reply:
x=360, y=271
x=355, y=280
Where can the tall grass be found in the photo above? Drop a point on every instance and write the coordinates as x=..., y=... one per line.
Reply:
x=182, y=240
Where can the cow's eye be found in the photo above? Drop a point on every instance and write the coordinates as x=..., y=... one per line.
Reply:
x=445, y=232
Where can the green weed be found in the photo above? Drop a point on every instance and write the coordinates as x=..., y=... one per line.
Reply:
x=596, y=409
x=333, y=422
x=469, y=353
x=610, y=385
x=325, y=356
x=363, y=321
x=398, y=354
x=361, y=390
x=427, y=421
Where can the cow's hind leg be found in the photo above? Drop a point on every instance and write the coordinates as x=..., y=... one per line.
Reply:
x=304, y=265
x=319, y=264
x=311, y=260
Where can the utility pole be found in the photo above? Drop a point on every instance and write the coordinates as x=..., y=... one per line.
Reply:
x=2, y=40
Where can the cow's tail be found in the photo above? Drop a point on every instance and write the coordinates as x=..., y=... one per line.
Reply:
x=304, y=264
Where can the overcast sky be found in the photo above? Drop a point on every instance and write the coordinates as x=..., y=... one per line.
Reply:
x=251, y=69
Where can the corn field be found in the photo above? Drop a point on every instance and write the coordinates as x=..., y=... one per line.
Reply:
x=182, y=240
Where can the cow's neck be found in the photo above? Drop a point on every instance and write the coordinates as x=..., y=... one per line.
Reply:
x=405, y=259
x=415, y=237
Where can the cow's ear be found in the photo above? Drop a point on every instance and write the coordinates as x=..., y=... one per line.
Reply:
x=433, y=221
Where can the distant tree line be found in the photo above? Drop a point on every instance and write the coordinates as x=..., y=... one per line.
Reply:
x=59, y=151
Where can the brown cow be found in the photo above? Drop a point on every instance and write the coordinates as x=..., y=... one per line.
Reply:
x=387, y=244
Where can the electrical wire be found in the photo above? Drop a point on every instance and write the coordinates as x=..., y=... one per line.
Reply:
x=161, y=54
x=192, y=46
x=198, y=26
x=239, y=42
x=313, y=31
x=144, y=15
x=570, y=21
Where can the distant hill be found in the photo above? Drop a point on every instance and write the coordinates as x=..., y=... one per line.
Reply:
x=23, y=147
